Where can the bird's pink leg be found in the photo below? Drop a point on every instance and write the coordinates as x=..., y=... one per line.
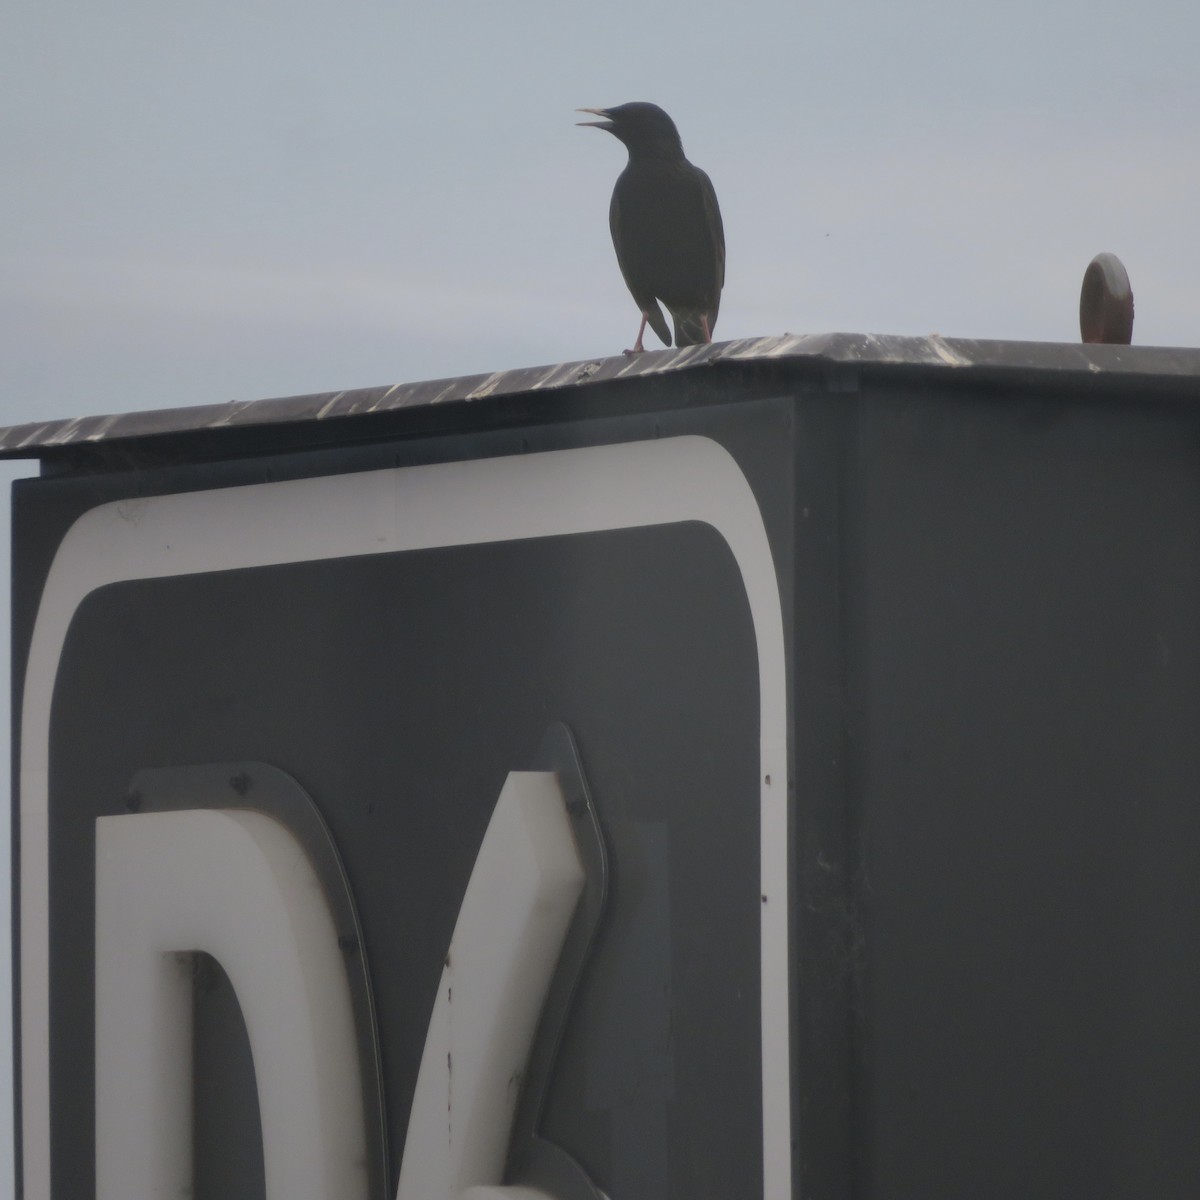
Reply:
x=638, y=348
x=707, y=331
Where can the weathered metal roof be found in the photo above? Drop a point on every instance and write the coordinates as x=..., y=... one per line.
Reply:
x=868, y=353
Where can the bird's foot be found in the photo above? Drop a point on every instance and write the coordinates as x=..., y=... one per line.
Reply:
x=639, y=349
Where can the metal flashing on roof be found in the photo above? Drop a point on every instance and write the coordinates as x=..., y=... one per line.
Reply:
x=866, y=352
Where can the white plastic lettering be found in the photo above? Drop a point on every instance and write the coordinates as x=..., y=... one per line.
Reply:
x=509, y=933
x=236, y=885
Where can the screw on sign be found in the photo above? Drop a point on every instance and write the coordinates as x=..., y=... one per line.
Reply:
x=1106, y=302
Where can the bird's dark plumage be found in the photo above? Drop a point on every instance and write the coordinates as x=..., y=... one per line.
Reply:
x=666, y=226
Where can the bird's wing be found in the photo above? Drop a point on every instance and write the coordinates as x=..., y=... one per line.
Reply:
x=698, y=273
x=716, y=229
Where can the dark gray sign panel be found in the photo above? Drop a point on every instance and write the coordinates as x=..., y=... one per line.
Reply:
x=397, y=642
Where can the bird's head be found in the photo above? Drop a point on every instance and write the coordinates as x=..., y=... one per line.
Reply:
x=644, y=128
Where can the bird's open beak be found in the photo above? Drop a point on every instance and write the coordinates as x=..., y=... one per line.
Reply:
x=599, y=112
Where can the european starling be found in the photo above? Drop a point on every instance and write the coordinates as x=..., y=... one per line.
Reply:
x=666, y=226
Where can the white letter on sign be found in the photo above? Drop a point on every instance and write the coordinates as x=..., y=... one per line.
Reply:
x=236, y=885
x=510, y=930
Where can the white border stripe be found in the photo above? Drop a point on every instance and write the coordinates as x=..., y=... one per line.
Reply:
x=488, y=500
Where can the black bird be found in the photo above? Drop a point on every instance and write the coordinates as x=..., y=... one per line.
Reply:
x=666, y=226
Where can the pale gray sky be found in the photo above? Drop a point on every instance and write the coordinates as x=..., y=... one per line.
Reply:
x=207, y=202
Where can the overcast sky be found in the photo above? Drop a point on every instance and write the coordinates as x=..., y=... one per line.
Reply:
x=212, y=201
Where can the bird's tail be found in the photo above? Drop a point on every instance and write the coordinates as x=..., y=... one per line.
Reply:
x=658, y=322
x=690, y=326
